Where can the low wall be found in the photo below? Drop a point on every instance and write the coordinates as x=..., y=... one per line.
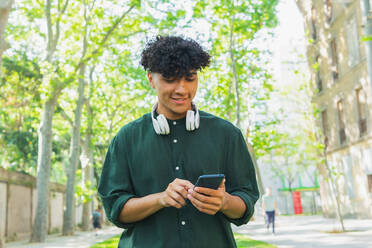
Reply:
x=18, y=197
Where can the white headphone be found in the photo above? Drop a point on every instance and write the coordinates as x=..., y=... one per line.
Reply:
x=161, y=125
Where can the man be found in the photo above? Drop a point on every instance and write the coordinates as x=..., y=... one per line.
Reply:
x=269, y=207
x=96, y=220
x=147, y=179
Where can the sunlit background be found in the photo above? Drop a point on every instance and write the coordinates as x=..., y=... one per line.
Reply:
x=294, y=75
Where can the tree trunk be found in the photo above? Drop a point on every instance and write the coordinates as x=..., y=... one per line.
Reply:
x=87, y=156
x=301, y=4
x=335, y=193
x=87, y=164
x=87, y=181
x=5, y=7
x=44, y=156
x=68, y=220
x=68, y=217
x=235, y=75
x=258, y=174
x=88, y=152
x=314, y=208
x=40, y=227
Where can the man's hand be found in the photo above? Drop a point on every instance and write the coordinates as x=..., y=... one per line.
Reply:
x=208, y=200
x=175, y=194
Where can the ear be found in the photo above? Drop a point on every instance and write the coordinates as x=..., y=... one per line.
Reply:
x=150, y=78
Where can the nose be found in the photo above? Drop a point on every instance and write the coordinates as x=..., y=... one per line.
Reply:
x=181, y=86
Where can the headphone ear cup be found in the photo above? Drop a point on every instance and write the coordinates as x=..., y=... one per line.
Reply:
x=188, y=124
x=192, y=120
x=163, y=124
x=155, y=124
x=197, y=119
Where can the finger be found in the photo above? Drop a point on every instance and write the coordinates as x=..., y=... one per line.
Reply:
x=204, y=198
x=184, y=183
x=178, y=198
x=207, y=191
x=174, y=203
x=180, y=190
x=200, y=204
x=205, y=208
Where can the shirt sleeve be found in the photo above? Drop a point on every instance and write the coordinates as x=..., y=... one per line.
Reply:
x=115, y=184
x=241, y=176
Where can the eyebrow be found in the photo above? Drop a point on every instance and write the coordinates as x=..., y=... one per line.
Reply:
x=187, y=75
x=191, y=73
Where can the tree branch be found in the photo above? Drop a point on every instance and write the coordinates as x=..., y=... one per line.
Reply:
x=58, y=22
x=50, y=30
x=107, y=35
x=64, y=114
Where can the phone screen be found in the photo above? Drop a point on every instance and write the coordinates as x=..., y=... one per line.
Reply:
x=212, y=181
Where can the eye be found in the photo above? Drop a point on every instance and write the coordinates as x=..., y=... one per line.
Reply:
x=168, y=80
x=190, y=79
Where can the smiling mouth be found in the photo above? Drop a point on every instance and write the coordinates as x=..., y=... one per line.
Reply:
x=179, y=100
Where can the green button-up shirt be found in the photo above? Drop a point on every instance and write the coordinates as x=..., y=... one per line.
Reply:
x=139, y=162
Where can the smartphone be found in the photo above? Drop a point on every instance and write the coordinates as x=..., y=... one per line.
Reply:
x=212, y=181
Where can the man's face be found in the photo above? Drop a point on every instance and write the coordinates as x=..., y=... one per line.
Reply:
x=174, y=95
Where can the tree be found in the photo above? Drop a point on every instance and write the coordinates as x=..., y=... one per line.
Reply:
x=237, y=69
x=19, y=99
x=68, y=217
x=5, y=7
x=237, y=65
x=329, y=173
x=45, y=130
x=87, y=158
x=334, y=190
x=68, y=226
x=117, y=93
x=44, y=86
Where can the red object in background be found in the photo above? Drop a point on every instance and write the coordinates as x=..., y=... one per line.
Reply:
x=296, y=196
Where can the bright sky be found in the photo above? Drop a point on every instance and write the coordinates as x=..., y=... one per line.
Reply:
x=289, y=54
x=289, y=39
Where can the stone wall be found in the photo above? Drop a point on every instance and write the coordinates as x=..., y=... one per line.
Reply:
x=18, y=196
x=3, y=194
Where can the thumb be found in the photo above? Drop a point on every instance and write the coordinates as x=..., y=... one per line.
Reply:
x=222, y=185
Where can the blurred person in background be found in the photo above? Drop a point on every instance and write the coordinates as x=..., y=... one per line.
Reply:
x=269, y=209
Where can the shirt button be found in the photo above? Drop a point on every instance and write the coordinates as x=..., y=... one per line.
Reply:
x=177, y=168
x=183, y=223
x=175, y=141
x=174, y=123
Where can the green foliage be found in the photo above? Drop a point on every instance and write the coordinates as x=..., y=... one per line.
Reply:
x=297, y=150
x=19, y=99
x=234, y=25
x=117, y=88
x=367, y=38
x=86, y=192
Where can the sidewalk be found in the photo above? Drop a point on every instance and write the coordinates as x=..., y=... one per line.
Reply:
x=310, y=231
x=291, y=232
x=79, y=240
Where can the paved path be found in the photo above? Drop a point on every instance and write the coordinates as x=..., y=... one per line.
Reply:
x=79, y=240
x=291, y=232
x=310, y=231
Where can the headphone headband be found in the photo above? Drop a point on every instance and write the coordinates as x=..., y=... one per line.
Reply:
x=161, y=126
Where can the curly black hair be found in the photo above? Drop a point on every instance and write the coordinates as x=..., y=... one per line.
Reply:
x=174, y=56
